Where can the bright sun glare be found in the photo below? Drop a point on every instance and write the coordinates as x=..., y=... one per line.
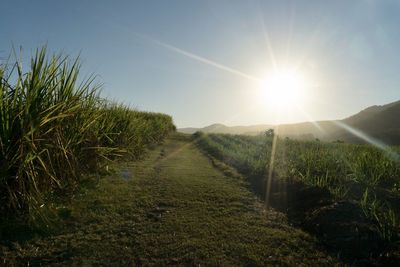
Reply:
x=283, y=89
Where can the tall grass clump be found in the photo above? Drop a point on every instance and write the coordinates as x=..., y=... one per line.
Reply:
x=55, y=128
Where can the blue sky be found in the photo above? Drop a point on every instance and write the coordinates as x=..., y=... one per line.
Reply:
x=185, y=58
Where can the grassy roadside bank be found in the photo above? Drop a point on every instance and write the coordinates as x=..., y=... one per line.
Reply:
x=55, y=129
x=172, y=208
x=344, y=194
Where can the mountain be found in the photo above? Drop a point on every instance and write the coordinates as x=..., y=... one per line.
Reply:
x=375, y=123
x=378, y=122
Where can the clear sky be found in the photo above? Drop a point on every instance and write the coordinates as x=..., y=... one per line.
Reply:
x=197, y=60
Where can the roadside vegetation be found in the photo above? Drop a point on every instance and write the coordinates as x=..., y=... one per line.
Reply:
x=354, y=179
x=55, y=129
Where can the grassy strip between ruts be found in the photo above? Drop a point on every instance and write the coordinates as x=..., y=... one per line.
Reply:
x=174, y=208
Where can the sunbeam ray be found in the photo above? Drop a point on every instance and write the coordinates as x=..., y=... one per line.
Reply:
x=198, y=58
x=373, y=141
x=268, y=42
x=270, y=170
x=309, y=118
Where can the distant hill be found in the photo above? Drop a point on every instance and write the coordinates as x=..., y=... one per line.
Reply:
x=221, y=128
x=375, y=122
x=379, y=122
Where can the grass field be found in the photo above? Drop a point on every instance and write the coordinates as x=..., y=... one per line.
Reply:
x=353, y=179
x=172, y=208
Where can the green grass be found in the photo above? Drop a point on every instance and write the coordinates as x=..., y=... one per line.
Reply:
x=175, y=209
x=55, y=129
x=361, y=173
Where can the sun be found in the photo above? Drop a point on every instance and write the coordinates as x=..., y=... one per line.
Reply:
x=283, y=89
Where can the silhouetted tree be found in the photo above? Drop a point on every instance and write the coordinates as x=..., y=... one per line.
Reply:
x=269, y=133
